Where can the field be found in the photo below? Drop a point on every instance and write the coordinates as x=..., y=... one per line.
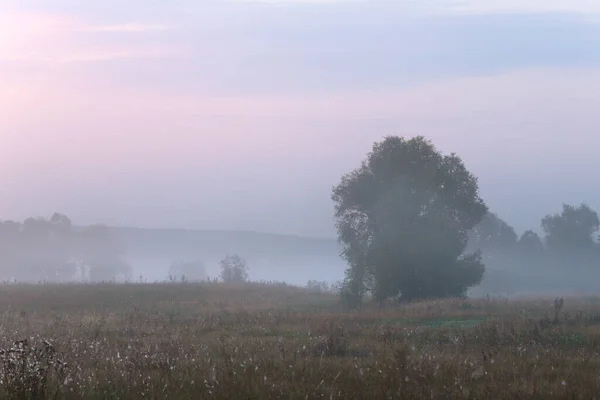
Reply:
x=195, y=341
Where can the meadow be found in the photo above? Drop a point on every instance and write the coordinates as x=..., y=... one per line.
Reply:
x=257, y=341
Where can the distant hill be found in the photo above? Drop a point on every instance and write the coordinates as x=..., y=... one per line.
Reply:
x=271, y=256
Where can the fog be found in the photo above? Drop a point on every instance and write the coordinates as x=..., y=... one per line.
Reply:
x=53, y=249
x=270, y=257
x=176, y=132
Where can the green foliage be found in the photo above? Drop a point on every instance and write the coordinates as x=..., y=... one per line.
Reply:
x=234, y=269
x=403, y=217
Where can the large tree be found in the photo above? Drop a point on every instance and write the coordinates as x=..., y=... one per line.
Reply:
x=403, y=218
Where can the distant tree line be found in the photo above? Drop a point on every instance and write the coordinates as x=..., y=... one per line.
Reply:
x=567, y=252
x=53, y=250
x=411, y=222
x=413, y=226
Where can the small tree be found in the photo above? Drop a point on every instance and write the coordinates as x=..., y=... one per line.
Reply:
x=234, y=269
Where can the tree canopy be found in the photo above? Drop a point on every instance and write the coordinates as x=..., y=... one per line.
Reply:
x=404, y=218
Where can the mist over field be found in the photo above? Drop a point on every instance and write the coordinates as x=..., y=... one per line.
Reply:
x=292, y=259
x=299, y=199
x=197, y=125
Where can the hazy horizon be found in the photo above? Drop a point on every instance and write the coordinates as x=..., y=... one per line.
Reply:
x=242, y=115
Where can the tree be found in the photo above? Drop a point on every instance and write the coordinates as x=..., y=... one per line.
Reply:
x=573, y=229
x=493, y=233
x=9, y=252
x=570, y=236
x=61, y=248
x=496, y=240
x=403, y=218
x=234, y=269
x=44, y=249
x=530, y=244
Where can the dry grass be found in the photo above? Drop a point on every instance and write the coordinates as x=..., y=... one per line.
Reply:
x=194, y=341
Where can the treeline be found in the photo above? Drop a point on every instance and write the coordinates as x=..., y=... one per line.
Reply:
x=565, y=256
x=52, y=250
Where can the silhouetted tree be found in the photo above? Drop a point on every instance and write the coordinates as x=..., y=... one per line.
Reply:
x=44, y=248
x=496, y=240
x=493, y=233
x=572, y=229
x=403, y=217
x=531, y=244
x=234, y=269
x=570, y=236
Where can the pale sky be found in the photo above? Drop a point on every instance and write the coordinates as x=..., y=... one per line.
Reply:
x=243, y=114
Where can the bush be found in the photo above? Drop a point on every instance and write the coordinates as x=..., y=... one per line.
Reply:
x=29, y=372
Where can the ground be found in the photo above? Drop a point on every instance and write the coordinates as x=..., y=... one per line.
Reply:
x=195, y=341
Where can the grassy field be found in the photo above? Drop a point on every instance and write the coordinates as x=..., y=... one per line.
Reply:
x=195, y=341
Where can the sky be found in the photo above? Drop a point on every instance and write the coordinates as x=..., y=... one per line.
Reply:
x=243, y=114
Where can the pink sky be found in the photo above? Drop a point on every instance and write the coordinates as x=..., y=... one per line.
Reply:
x=82, y=135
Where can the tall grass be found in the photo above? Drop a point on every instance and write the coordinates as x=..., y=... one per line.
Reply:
x=258, y=341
